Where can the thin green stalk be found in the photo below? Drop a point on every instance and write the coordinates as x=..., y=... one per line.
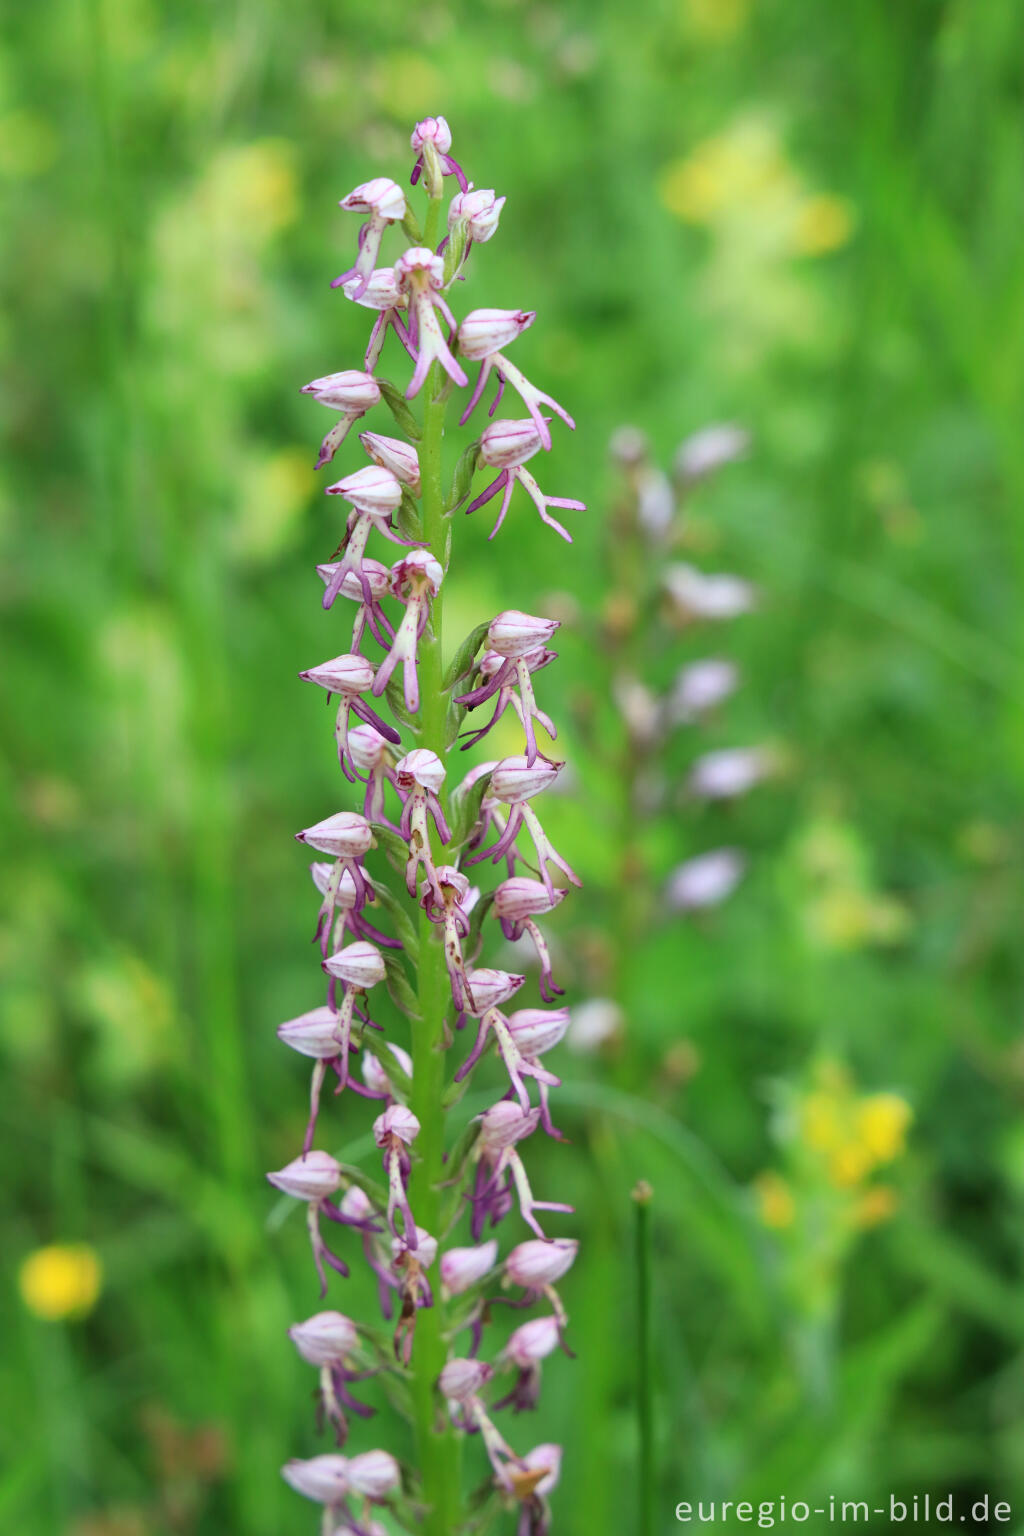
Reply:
x=642, y=1196
x=436, y=1442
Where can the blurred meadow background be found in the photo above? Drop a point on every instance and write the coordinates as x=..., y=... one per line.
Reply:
x=802, y=218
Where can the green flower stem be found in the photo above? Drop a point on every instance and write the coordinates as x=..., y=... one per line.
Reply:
x=436, y=1442
x=646, y=1476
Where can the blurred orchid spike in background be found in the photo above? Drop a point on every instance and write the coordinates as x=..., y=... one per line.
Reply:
x=655, y=602
x=432, y=924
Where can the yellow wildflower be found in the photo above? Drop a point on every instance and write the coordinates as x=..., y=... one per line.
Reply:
x=823, y=223
x=821, y=1126
x=62, y=1280
x=716, y=20
x=849, y=1164
x=776, y=1206
x=883, y=1120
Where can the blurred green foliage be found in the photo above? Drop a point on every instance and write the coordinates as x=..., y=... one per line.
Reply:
x=803, y=217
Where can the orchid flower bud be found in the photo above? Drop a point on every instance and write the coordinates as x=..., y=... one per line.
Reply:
x=533, y=1341
x=325, y=1339
x=504, y=1124
x=418, y=265
x=374, y=1475
x=536, y=1030
x=490, y=988
x=381, y=196
x=351, y=391
x=357, y=965
x=697, y=595
x=462, y=1268
x=375, y=572
x=507, y=443
x=396, y=1121
x=699, y=687
x=730, y=772
x=535, y=1264
x=312, y=1034
x=704, y=881
x=420, y=767
x=520, y=897
x=346, y=834
x=312, y=1177
x=480, y=210
x=709, y=450
x=323, y=1478
x=432, y=130
x=373, y=490
x=375, y=1073
x=514, y=780
x=425, y=1250
x=485, y=331
x=381, y=291
x=366, y=747
x=349, y=675
x=462, y=1380
x=513, y=634
x=594, y=1023
x=355, y=1204
x=392, y=454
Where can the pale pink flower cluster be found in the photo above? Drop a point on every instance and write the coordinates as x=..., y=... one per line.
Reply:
x=433, y=834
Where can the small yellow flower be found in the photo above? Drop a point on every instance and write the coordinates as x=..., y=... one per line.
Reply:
x=776, y=1206
x=821, y=1126
x=823, y=224
x=716, y=20
x=875, y=1206
x=849, y=1164
x=62, y=1280
x=883, y=1120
